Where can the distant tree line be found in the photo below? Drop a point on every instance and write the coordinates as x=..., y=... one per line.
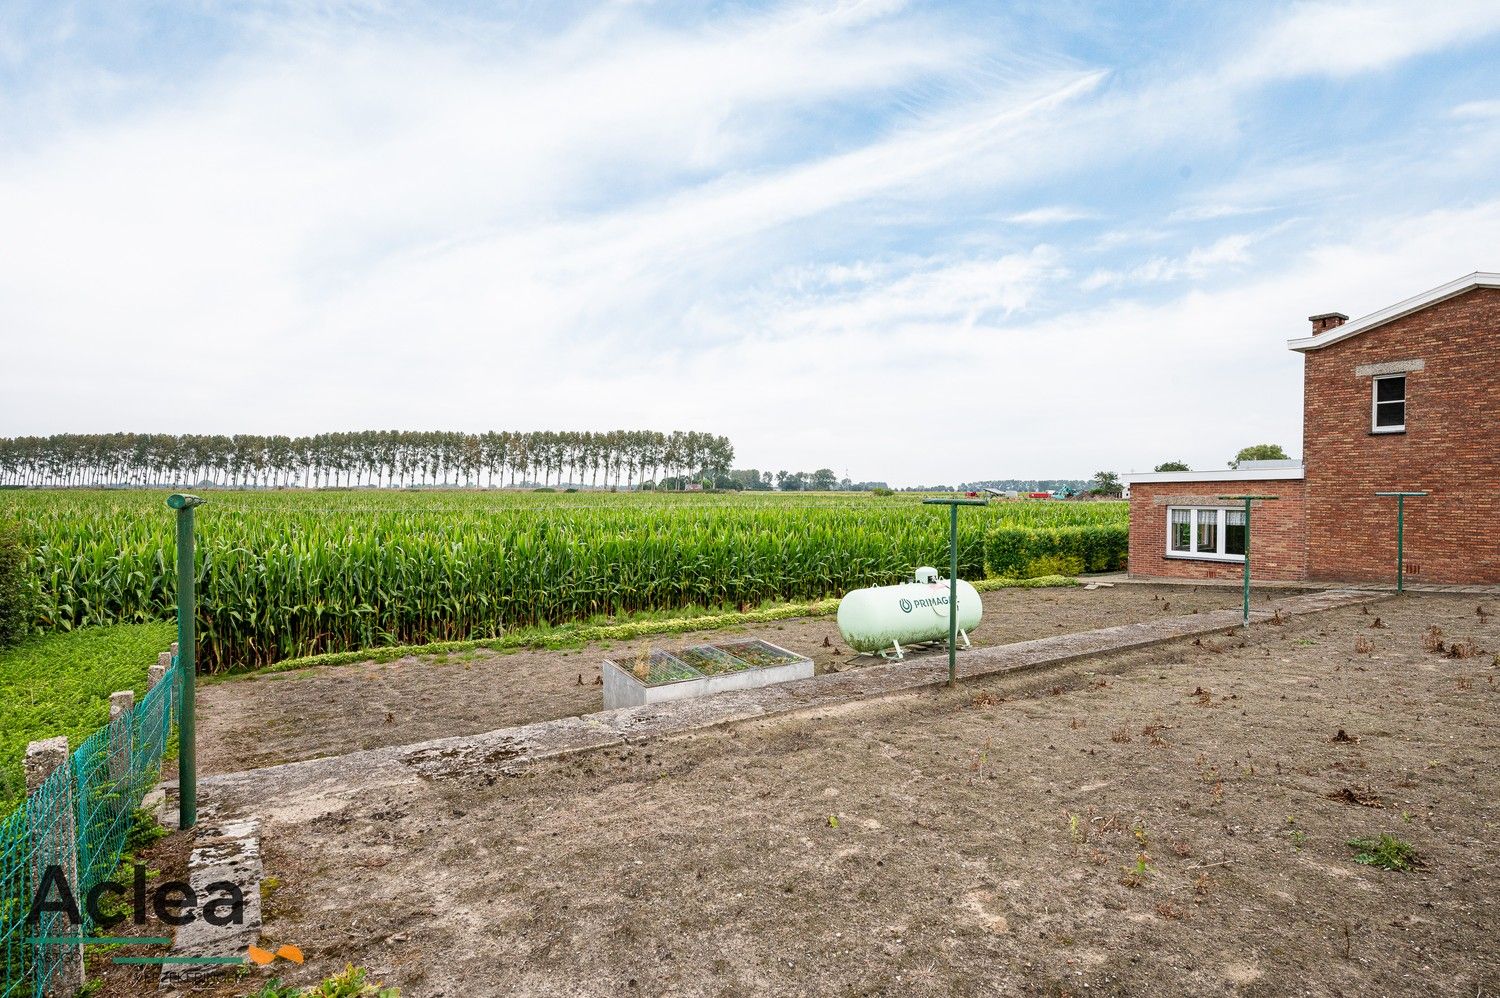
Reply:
x=822, y=480
x=369, y=457
x=1068, y=485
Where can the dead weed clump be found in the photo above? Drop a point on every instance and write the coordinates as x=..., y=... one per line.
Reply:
x=1467, y=648
x=1360, y=796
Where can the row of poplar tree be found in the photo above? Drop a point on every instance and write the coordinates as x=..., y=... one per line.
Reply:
x=371, y=457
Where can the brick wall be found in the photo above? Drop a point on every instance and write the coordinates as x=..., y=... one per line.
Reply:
x=1278, y=537
x=1451, y=448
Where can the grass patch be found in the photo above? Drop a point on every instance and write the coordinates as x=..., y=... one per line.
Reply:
x=1386, y=852
x=59, y=684
x=576, y=635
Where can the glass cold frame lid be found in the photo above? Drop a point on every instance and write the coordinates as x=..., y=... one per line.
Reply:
x=658, y=667
x=712, y=661
x=760, y=654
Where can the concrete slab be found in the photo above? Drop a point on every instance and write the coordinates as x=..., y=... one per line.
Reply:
x=225, y=850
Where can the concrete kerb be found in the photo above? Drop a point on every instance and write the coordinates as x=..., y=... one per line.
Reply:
x=307, y=788
x=225, y=850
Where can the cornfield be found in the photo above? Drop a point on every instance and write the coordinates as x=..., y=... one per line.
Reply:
x=287, y=574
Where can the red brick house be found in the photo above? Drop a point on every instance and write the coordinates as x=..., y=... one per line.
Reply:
x=1406, y=398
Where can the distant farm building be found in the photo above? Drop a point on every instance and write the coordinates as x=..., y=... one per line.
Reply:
x=1403, y=399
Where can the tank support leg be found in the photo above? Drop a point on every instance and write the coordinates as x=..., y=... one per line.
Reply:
x=965, y=635
x=899, y=654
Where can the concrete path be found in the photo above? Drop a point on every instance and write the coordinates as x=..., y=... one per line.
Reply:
x=303, y=790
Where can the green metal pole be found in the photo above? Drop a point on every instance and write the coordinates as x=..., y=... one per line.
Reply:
x=1245, y=621
x=1245, y=616
x=952, y=596
x=187, y=618
x=1401, y=533
x=1400, y=542
x=953, y=505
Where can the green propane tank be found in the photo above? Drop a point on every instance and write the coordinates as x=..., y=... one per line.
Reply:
x=884, y=618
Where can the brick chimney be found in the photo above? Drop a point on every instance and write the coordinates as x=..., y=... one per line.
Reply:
x=1326, y=321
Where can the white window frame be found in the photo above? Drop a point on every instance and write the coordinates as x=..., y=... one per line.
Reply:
x=1375, y=404
x=1193, y=554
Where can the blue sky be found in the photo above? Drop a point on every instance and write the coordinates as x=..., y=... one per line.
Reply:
x=919, y=242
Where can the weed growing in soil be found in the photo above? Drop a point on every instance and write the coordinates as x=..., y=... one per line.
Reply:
x=352, y=983
x=1135, y=875
x=1386, y=852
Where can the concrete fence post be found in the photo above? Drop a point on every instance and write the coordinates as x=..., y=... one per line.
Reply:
x=52, y=830
x=156, y=672
x=121, y=721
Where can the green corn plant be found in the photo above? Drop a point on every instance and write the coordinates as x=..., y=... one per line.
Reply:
x=285, y=574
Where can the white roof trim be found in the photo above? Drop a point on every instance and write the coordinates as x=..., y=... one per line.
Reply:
x=1227, y=475
x=1478, y=279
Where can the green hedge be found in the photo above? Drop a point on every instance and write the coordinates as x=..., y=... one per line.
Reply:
x=16, y=609
x=1027, y=552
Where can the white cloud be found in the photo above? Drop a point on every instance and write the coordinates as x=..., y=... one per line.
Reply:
x=1122, y=384
x=1343, y=37
x=1214, y=211
x=1477, y=110
x=1051, y=215
x=1199, y=263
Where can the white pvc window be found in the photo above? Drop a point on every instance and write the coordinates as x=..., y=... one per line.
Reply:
x=1206, y=532
x=1388, y=404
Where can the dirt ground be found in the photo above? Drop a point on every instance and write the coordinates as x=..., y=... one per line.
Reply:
x=1169, y=821
x=284, y=717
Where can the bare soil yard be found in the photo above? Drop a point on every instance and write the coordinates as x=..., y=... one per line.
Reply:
x=283, y=717
x=1164, y=822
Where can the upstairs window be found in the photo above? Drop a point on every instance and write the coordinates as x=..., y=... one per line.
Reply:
x=1388, y=404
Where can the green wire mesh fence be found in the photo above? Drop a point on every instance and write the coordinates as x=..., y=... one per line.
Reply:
x=77, y=819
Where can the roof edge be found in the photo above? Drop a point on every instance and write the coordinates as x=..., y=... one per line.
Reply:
x=1478, y=279
x=1227, y=475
